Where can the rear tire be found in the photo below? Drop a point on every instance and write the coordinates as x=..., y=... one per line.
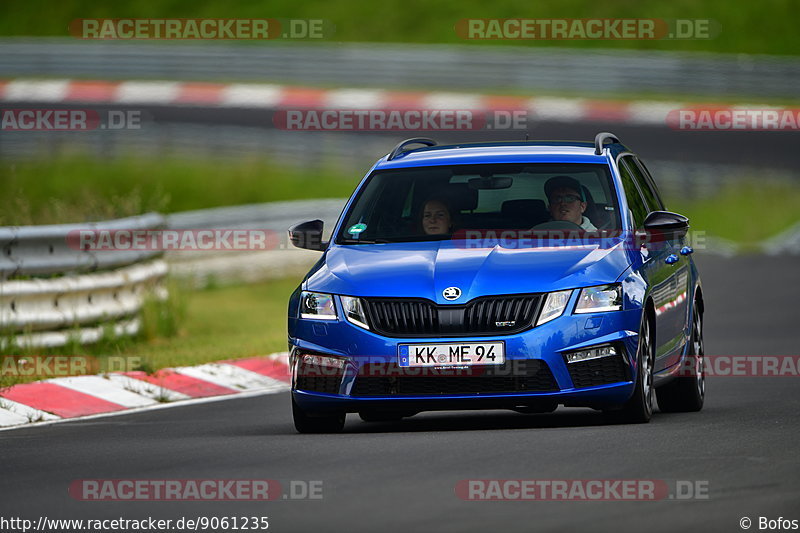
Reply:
x=304, y=423
x=686, y=394
x=639, y=408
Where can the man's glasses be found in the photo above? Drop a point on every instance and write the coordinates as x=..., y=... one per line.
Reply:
x=564, y=198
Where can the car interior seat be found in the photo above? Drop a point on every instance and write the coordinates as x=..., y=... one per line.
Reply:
x=524, y=213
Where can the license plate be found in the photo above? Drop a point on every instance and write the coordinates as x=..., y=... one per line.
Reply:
x=452, y=354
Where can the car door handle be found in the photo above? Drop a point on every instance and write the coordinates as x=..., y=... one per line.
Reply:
x=686, y=250
x=671, y=259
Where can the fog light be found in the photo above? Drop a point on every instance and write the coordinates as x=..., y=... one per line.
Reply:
x=591, y=353
x=322, y=360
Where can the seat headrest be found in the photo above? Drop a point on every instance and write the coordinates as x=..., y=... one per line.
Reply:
x=525, y=209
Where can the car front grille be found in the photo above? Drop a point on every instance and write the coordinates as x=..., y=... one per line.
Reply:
x=389, y=379
x=601, y=371
x=489, y=315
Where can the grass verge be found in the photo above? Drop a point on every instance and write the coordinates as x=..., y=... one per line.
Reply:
x=78, y=188
x=746, y=213
x=221, y=323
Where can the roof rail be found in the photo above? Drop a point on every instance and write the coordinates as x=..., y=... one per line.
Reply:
x=416, y=140
x=602, y=137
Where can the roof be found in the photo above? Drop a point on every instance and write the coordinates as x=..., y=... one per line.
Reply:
x=502, y=152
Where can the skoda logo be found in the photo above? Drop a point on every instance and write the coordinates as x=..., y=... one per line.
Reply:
x=451, y=293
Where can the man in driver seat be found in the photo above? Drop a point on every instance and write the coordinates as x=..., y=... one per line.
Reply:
x=567, y=201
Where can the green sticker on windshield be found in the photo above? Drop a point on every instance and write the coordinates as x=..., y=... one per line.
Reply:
x=357, y=228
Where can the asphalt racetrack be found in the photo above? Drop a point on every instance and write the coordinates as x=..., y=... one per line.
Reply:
x=742, y=448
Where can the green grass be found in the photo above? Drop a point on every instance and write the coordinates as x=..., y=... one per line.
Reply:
x=223, y=323
x=78, y=188
x=768, y=26
x=746, y=213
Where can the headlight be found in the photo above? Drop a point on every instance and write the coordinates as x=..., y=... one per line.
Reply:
x=354, y=311
x=317, y=306
x=554, y=306
x=599, y=299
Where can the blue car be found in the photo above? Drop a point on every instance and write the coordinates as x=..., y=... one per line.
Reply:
x=504, y=275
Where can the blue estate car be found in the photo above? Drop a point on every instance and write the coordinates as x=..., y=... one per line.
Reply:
x=504, y=275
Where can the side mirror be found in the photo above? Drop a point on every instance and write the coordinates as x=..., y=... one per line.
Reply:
x=665, y=225
x=308, y=235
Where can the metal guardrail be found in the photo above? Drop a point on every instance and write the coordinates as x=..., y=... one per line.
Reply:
x=276, y=216
x=203, y=268
x=62, y=302
x=69, y=303
x=785, y=243
x=464, y=67
x=51, y=312
x=52, y=293
x=42, y=250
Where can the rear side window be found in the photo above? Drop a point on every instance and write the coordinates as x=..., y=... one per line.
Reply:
x=635, y=202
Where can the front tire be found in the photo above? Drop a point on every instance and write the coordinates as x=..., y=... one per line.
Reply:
x=686, y=394
x=639, y=408
x=304, y=423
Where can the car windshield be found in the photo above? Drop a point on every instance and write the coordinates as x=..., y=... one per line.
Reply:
x=434, y=203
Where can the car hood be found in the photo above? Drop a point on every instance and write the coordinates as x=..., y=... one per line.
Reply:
x=425, y=269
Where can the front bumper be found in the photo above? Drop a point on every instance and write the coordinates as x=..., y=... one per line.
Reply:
x=601, y=383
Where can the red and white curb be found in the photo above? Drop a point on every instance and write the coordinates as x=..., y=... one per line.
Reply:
x=65, y=398
x=268, y=96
